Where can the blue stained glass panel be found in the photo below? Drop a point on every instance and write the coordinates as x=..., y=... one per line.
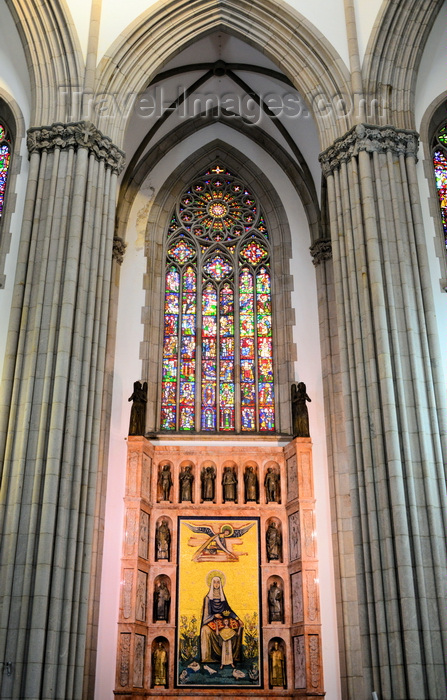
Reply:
x=266, y=419
x=248, y=419
x=226, y=347
x=208, y=419
x=168, y=414
x=186, y=418
x=208, y=348
x=209, y=371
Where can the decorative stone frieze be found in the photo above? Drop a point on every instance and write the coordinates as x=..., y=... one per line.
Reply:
x=321, y=250
x=369, y=138
x=76, y=135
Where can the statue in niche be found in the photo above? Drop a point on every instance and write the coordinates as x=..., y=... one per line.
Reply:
x=251, y=484
x=272, y=486
x=162, y=601
x=273, y=542
x=163, y=541
x=277, y=667
x=159, y=665
x=137, y=423
x=165, y=482
x=208, y=478
x=186, y=478
x=300, y=416
x=140, y=603
x=229, y=485
x=276, y=603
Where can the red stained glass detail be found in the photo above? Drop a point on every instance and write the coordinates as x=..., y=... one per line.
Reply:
x=218, y=268
x=181, y=251
x=254, y=253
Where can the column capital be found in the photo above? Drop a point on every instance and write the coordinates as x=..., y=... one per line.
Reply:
x=76, y=135
x=370, y=138
x=321, y=250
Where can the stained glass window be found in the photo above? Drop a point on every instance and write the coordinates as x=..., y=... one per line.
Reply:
x=440, y=168
x=217, y=373
x=5, y=156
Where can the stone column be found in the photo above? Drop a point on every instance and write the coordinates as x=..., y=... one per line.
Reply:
x=393, y=409
x=50, y=407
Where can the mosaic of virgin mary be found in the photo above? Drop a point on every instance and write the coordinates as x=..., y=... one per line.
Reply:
x=220, y=627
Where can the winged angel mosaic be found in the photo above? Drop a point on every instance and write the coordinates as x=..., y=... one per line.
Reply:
x=217, y=545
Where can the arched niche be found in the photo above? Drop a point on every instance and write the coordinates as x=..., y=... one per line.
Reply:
x=187, y=482
x=272, y=482
x=163, y=539
x=275, y=600
x=208, y=482
x=274, y=541
x=277, y=652
x=251, y=482
x=165, y=481
x=230, y=482
x=161, y=597
x=160, y=663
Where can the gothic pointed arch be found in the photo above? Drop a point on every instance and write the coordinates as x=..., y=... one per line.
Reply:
x=392, y=59
x=289, y=40
x=53, y=55
x=134, y=178
x=175, y=262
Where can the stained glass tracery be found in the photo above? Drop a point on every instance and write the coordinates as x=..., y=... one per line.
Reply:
x=5, y=157
x=440, y=170
x=217, y=351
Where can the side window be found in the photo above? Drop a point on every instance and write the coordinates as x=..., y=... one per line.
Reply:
x=5, y=158
x=440, y=170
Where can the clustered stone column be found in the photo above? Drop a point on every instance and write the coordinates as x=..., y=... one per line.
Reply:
x=51, y=406
x=392, y=397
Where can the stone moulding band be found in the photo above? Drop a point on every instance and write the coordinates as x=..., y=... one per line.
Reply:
x=76, y=135
x=370, y=138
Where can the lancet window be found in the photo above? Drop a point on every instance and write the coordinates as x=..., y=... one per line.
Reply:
x=440, y=169
x=5, y=157
x=217, y=370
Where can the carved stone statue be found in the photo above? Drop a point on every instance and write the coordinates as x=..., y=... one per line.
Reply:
x=165, y=482
x=272, y=486
x=137, y=423
x=300, y=416
x=251, y=484
x=186, y=482
x=277, y=667
x=162, y=601
x=229, y=485
x=276, y=603
x=163, y=541
x=208, y=478
x=273, y=542
x=160, y=665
